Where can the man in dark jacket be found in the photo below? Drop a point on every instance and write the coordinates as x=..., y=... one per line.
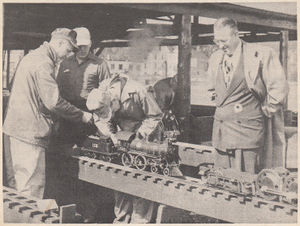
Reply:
x=77, y=76
x=34, y=103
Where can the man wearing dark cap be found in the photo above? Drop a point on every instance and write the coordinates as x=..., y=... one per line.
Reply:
x=34, y=104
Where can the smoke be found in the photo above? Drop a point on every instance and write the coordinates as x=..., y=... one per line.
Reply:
x=142, y=42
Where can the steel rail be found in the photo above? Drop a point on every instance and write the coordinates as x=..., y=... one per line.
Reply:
x=189, y=194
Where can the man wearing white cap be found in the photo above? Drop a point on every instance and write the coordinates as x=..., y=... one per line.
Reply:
x=35, y=102
x=77, y=76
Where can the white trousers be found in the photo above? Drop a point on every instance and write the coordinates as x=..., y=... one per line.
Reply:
x=28, y=162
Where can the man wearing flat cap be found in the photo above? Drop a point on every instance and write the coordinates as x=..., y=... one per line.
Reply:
x=77, y=76
x=35, y=102
x=124, y=103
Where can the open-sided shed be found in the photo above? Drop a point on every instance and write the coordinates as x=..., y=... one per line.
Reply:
x=26, y=26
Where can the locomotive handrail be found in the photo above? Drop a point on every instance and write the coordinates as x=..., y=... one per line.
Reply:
x=189, y=194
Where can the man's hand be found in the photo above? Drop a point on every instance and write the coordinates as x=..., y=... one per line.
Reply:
x=87, y=118
x=268, y=111
x=142, y=134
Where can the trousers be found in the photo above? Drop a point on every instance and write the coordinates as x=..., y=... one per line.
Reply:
x=133, y=210
x=245, y=160
x=28, y=167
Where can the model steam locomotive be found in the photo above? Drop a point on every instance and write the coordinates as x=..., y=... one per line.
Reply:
x=276, y=184
x=271, y=184
x=141, y=154
x=165, y=154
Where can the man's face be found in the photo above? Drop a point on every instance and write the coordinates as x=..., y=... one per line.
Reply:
x=83, y=51
x=65, y=49
x=226, y=39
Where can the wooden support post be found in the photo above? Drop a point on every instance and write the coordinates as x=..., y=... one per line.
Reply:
x=196, y=20
x=3, y=60
x=8, y=69
x=183, y=92
x=283, y=55
x=195, y=31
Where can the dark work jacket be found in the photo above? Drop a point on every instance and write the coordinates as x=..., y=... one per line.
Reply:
x=75, y=81
x=239, y=121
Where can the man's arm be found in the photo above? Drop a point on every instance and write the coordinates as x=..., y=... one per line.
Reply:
x=213, y=64
x=152, y=112
x=48, y=91
x=276, y=83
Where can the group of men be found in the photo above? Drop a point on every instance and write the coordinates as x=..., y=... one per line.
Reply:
x=62, y=97
x=48, y=108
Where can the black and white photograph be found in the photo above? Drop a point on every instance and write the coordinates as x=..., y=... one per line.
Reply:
x=149, y=112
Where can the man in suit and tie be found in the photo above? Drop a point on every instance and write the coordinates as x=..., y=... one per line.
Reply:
x=249, y=87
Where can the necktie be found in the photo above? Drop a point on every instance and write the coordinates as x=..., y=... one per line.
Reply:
x=228, y=67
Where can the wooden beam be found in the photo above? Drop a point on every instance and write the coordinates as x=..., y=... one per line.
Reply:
x=203, y=40
x=217, y=10
x=183, y=91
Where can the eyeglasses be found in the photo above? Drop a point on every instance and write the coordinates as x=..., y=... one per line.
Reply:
x=224, y=42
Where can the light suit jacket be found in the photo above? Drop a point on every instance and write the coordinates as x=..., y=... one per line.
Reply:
x=35, y=100
x=266, y=79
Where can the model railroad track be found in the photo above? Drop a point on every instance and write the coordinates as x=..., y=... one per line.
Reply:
x=190, y=194
x=18, y=208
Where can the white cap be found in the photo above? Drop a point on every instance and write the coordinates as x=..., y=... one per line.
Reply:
x=83, y=36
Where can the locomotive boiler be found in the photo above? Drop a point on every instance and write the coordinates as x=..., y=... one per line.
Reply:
x=158, y=157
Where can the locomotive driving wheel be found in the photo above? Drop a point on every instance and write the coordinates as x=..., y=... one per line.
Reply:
x=154, y=168
x=164, y=166
x=140, y=162
x=127, y=159
x=166, y=171
x=107, y=159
